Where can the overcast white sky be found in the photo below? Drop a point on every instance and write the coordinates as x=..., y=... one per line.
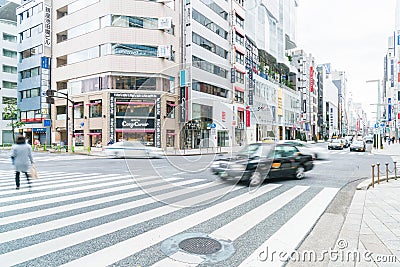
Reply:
x=353, y=36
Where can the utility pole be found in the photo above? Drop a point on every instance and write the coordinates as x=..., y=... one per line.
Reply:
x=378, y=113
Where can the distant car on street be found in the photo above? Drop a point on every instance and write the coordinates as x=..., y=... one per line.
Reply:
x=259, y=161
x=358, y=145
x=125, y=149
x=336, y=144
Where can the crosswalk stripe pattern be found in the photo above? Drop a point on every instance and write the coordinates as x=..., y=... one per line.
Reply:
x=46, y=158
x=78, y=219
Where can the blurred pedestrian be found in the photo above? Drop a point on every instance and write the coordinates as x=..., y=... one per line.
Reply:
x=21, y=156
x=392, y=139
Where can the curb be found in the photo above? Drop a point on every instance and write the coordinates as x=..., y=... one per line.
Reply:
x=366, y=184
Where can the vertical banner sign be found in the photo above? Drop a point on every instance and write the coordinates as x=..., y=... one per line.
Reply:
x=391, y=73
x=247, y=116
x=251, y=97
x=389, y=109
x=158, y=121
x=233, y=72
x=311, y=79
x=182, y=103
x=280, y=101
x=47, y=26
x=112, y=126
x=358, y=125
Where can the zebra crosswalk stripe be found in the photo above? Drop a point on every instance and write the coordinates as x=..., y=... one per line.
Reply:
x=241, y=225
x=55, y=224
x=55, y=214
x=289, y=236
x=34, y=251
x=137, y=243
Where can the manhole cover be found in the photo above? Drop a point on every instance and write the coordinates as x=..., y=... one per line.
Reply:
x=200, y=245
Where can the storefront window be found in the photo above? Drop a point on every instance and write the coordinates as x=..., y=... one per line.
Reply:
x=170, y=138
x=78, y=110
x=95, y=108
x=171, y=109
x=95, y=138
x=135, y=109
x=145, y=138
x=79, y=138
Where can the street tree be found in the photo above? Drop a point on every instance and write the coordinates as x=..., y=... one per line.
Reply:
x=11, y=113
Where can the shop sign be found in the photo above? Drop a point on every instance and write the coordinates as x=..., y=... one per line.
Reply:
x=135, y=123
x=47, y=26
x=164, y=23
x=158, y=122
x=39, y=130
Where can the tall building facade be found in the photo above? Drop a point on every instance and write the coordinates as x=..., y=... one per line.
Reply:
x=8, y=59
x=118, y=62
x=213, y=63
x=34, y=43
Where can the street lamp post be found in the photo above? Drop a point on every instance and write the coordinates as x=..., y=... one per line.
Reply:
x=50, y=100
x=378, y=114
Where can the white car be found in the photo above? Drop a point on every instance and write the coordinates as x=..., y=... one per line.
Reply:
x=306, y=148
x=132, y=149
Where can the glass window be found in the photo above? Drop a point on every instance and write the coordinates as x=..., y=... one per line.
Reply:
x=142, y=108
x=83, y=29
x=200, y=18
x=134, y=50
x=9, y=53
x=95, y=108
x=9, y=38
x=170, y=109
x=78, y=110
x=210, y=46
x=83, y=55
x=239, y=21
x=9, y=69
x=9, y=85
x=239, y=58
x=9, y=100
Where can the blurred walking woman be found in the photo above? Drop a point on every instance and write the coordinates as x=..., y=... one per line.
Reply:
x=21, y=156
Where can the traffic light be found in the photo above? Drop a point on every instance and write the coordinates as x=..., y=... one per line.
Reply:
x=50, y=94
x=49, y=100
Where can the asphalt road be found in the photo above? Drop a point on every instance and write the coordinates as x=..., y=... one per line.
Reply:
x=86, y=210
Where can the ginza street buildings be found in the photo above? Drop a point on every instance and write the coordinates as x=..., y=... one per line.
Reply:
x=193, y=73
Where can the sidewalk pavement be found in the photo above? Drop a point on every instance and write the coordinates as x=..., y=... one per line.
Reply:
x=372, y=224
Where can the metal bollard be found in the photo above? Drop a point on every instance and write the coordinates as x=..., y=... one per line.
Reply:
x=395, y=170
x=373, y=174
x=377, y=165
x=387, y=172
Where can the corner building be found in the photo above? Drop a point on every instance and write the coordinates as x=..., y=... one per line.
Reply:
x=118, y=61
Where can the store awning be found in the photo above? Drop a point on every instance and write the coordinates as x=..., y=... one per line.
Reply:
x=240, y=89
x=135, y=130
x=134, y=103
x=93, y=133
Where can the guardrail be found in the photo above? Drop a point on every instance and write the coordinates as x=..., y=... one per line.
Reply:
x=386, y=172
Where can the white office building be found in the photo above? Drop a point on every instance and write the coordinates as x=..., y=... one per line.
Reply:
x=8, y=59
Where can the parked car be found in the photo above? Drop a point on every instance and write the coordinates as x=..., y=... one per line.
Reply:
x=306, y=148
x=132, y=149
x=260, y=161
x=336, y=144
x=358, y=145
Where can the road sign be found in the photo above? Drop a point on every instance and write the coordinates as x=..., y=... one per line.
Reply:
x=376, y=125
x=213, y=126
x=82, y=124
x=382, y=125
x=46, y=123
